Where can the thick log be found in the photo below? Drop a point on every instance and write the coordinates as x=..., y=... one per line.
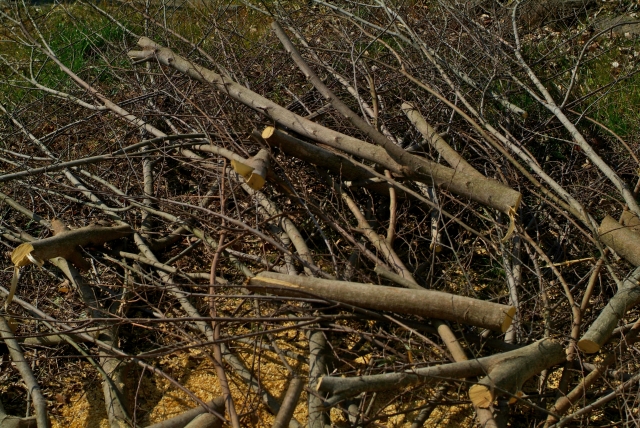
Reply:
x=508, y=371
x=599, y=332
x=426, y=303
x=485, y=191
x=623, y=240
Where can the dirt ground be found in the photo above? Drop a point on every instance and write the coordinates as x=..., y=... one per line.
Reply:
x=159, y=401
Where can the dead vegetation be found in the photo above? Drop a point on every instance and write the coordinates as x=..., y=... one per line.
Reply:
x=321, y=214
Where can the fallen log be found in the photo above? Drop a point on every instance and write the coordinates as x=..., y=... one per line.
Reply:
x=426, y=303
x=622, y=239
x=483, y=190
x=627, y=296
x=504, y=372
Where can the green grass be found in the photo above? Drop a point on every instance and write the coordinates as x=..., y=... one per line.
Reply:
x=76, y=42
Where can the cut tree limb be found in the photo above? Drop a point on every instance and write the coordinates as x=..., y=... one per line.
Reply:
x=426, y=303
x=508, y=370
x=412, y=166
x=630, y=220
x=289, y=403
x=511, y=373
x=342, y=166
x=254, y=170
x=452, y=157
x=599, y=332
x=66, y=243
x=184, y=418
x=396, y=152
x=622, y=239
x=318, y=367
x=39, y=402
x=485, y=191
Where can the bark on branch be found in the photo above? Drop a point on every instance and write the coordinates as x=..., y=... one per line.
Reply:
x=626, y=297
x=184, y=418
x=426, y=303
x=39, y=402
x=66, y=243
x=320, y=157
x=254, y=170
x=507, y=372
x=485, y=191
x=452, y=157
x=622, y=239
x=7, y=421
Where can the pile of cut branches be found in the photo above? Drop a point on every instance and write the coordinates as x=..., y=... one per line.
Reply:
x=404, y=207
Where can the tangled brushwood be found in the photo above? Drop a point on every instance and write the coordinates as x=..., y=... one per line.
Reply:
x=318, y=213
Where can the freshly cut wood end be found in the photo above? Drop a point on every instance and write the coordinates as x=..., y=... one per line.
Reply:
x=588, y=346
x=241, y=168
x=508, y=319
x=481, y=396
x=260, y=163
x=268, y=132
x=256, y=181
x=20, y=256
x=254, y=170
x=436, y=248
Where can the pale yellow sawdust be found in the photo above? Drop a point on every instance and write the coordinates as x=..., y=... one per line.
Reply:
x=158, y=400
x=85, y=410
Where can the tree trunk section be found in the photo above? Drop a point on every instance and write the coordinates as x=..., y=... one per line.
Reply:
x=627, y=296
x=426, y=303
